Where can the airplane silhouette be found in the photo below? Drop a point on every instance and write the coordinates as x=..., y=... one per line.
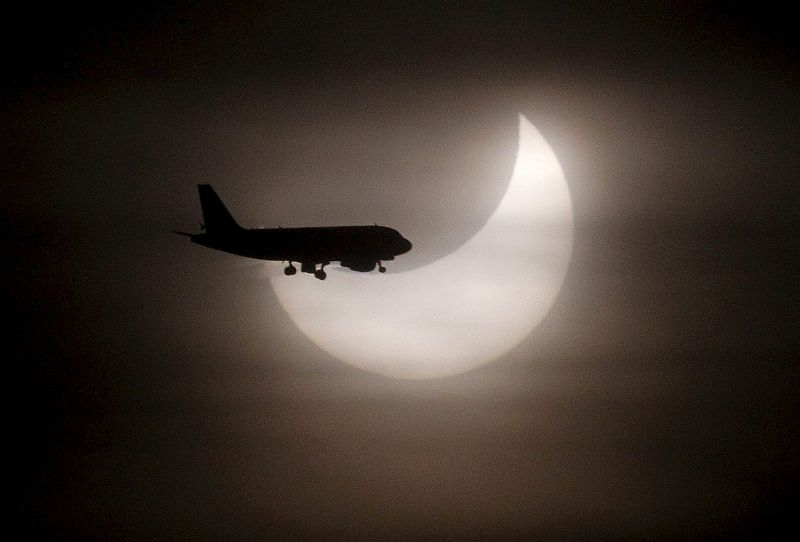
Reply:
x=359, y=248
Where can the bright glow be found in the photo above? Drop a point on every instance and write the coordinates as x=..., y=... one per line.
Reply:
x=463, y=310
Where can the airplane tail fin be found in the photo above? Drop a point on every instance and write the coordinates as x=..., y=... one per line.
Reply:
x=215, y=215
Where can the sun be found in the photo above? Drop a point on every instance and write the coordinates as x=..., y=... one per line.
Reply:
x=463, y=310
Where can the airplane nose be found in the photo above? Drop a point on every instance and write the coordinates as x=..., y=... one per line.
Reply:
x=405, y=246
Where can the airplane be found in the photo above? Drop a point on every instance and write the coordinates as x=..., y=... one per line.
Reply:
x=359, y=248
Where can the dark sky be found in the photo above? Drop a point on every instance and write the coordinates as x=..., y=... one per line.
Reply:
x=160, y=391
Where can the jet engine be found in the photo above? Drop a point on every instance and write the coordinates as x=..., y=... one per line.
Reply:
x=363, y=266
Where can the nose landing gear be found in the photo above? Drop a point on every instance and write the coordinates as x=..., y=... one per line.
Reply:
x=289, y=270
x=381, y=268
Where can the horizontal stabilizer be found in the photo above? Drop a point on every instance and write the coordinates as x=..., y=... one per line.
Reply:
x=183, y=233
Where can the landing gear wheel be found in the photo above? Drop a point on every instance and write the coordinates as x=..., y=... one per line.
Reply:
x=381, y=269
x=320, y=274
x=289, y=271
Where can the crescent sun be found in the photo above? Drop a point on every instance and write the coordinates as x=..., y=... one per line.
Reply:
x=464, y=310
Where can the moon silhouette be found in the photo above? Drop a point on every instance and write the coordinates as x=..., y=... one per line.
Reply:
x=464, y=310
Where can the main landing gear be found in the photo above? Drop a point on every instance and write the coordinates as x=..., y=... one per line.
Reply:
x=320, y=273
x=306, y=267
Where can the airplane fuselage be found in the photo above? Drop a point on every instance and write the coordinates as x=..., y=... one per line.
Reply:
x=327, y=244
